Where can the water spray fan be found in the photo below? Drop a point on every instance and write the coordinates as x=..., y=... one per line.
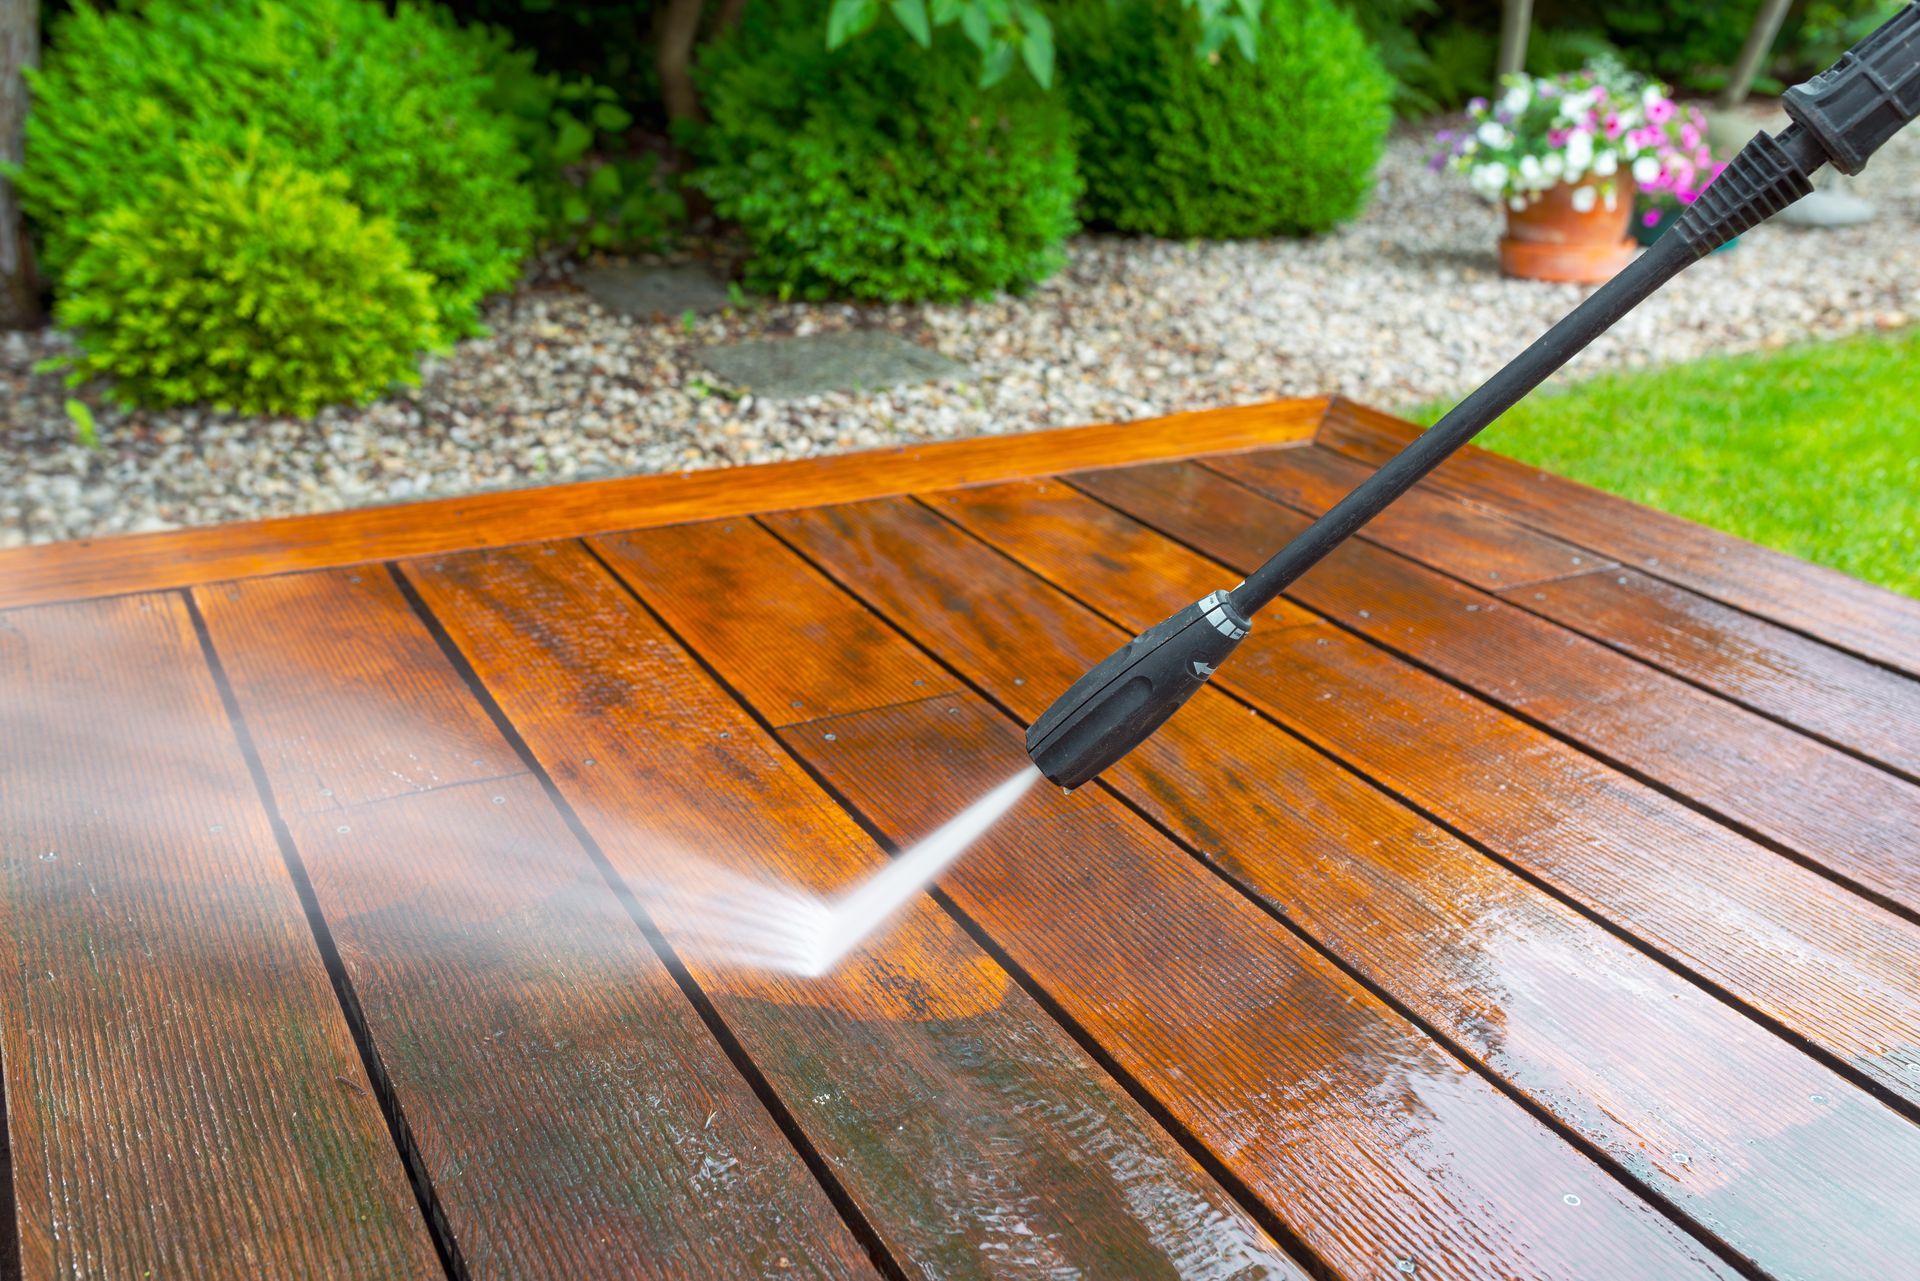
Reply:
x=1840, y=117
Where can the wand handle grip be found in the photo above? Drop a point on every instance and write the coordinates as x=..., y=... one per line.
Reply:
x=1870, y=94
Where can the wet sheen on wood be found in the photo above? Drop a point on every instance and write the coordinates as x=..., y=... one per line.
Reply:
x=975, y=1137
x=183, y=1094
x=1731, y=1124
x=1827, y=808
x=1843, y=700
x=1820, y=602
x=574, y=1115
x=1810, y=954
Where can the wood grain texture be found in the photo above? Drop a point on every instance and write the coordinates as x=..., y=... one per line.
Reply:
x=1142, y=944
x=1824, y=603
x=1816, y=958
x=1840, y=699
x=1699, y=1104
x=1734, y=1127
x=571, y=1109
x=1436, y=529
x=1831, y=694
x=975, y=1137
x=1378, y=1148
x=184, y=1097
x=137, y=562
x=1827, y=808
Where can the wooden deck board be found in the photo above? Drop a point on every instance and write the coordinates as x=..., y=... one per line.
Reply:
x=966, y=1126
x=1469, y=925
x=1830, y=810
x=1843, y=700
x=1821, y=960
x=488, y=955
x=1820, y=602
x=183, y=1095
x=1621, y=1052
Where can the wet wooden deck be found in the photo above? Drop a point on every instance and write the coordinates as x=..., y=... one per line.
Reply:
x=1537, y=894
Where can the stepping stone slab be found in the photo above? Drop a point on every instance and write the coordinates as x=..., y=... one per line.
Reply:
x=786, y=368
x=647, y=292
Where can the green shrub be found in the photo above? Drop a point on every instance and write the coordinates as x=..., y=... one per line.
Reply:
x=392, y=101
x=590, y=192
x=1173, y=145
x=256, y=288
x=881, y=170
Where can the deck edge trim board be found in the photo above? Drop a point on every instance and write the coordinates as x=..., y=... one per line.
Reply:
x=119, y=564
x=431, y=1210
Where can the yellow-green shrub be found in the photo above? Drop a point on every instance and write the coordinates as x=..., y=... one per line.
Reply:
x=255, y=287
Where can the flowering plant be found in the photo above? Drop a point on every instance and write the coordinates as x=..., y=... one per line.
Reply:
x=1582, y=128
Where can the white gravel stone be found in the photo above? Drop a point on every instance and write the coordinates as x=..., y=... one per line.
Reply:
x=1402, y=306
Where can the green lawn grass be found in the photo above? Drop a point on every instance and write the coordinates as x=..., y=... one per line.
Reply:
x=1814, y=450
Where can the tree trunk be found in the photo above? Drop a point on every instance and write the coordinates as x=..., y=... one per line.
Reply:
x=677, y=27
x=1766, y=25
x=19, y=47
x=1516, y=23
x=729, y=16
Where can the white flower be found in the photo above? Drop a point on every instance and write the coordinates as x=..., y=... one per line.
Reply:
x=1530, y=172
x=1579, y=149
x=1650, y=95
x=1583, y=199
x=1492, y=134
x=1605, y=163
x=1489, y=179
x=1553, y=164
x=1517, y=204
x=1646, y=169
x=1516, y=99
x=1613, y=200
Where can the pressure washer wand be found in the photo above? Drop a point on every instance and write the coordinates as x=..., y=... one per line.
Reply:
x=1840, y=117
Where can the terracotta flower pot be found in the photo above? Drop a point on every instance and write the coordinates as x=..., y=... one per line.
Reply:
x=1552, y=240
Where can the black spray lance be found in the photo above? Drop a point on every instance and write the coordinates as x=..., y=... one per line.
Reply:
x=1840, y=117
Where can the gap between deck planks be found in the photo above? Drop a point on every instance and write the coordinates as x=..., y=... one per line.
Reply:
x=571, y=1113
x=1655, y=1073
x=1832, y=811
x=1858, y=706
x=969, y=1130
x=86, y=568
x=1822, y=603
x=184, y=1095
x=1815, y=959
x=1273, y=1056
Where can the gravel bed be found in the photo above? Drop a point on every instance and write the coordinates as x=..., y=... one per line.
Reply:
x=1402, y=306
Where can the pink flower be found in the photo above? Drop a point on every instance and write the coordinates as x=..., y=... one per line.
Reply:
x=1558, y=137
x=1660, y=110
x=1651, y=218
x=1613, y=126
x=1685, y=195
x=1690, y=136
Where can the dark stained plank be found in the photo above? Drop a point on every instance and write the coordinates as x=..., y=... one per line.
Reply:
x=1266, y=1051
x=1436, y=529
x=1733, y=1126
x=184, y=1097
x=1830, y=810
x=1839, y=698
x=1812, y=956
x=1820, y=602
x=138, y=562
x=574, y=1114
x=975, y=1136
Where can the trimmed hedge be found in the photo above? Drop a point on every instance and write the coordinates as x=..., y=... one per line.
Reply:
x=1224, y=147
x=881, y=170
